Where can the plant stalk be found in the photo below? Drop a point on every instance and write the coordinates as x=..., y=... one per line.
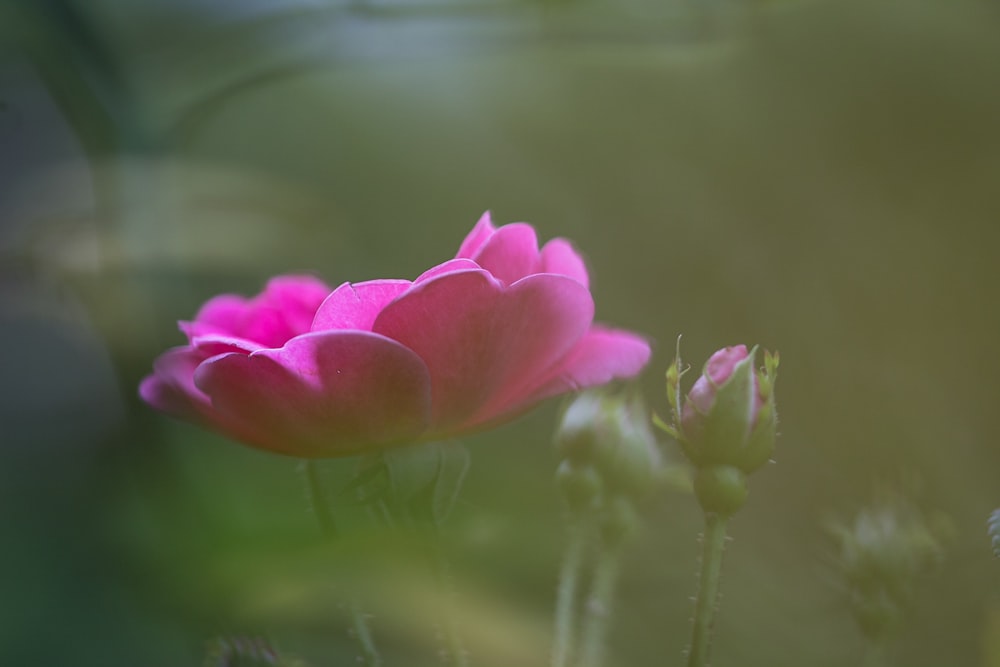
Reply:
x=597, y=614
x=359, y=621
x=569, y=580
x=708, y=588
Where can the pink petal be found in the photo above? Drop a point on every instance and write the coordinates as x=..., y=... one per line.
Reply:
x=212, y=344
x=217, y=316
x=328, y=393
x=601, y=356
x=450, y=266
x=511, y=253
x=477, y=237
x=483, y=342
x=284, y=309
x=721, y=364
x=171, y=389
x=356, y=306
x=559, y=256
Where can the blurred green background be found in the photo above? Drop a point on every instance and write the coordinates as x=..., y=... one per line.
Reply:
x=819, y=177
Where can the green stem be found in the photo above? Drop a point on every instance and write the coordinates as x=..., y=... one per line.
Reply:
x=598, y=610
x=454, y=644
x=708, y=588
x=321, y=508
x=569, y=579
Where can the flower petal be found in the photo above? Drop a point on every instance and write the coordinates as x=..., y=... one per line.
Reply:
x=450, y=266
x=511, y=253
x=483, y=342
x=559, y=256
x=327, y=393
x=477, y=237
x=171, y=389
x=285, y=308
x=213, y=344
x=601, y=356
x=356, y=306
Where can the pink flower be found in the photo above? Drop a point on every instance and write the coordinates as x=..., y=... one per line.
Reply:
x=470, y=343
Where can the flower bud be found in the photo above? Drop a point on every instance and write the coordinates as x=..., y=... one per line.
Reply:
x=729, y=416
x=580, y=485
x=881, y=555
x=612, y=434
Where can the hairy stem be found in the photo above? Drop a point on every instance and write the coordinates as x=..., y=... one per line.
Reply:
x=450, y=627
x=708, y=588
x=597, y=614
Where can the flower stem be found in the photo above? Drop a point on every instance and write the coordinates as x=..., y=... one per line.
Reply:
x=708, y=588
x=569, y=579
x=359, y=621
x=454, y=644
x=597, y=616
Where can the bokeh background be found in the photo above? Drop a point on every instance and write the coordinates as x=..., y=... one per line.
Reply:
x=820, y=177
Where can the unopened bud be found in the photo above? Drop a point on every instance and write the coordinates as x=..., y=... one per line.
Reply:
x=729, y=416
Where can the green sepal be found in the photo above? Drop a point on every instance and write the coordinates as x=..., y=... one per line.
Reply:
x=665, y=427
x=425, y=480
x=759, y=447
x=673, y=384
x=725, y=428
x=771, y=360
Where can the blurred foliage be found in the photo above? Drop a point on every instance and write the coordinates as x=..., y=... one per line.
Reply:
x=815, y=176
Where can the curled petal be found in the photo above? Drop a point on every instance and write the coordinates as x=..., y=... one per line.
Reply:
x=356, y=306
x=484, y=343
x=327, y=393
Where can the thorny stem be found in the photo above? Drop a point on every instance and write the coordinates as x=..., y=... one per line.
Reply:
x=569, y=579
x=708, y=588
x=597, y=612
x=369, y=654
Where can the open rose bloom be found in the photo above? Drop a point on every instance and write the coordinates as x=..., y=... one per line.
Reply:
x=306, y=371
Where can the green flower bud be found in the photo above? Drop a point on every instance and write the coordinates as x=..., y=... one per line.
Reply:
x=882, y=554
x=729, y=417
x=580, y=485
x=611, y=433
